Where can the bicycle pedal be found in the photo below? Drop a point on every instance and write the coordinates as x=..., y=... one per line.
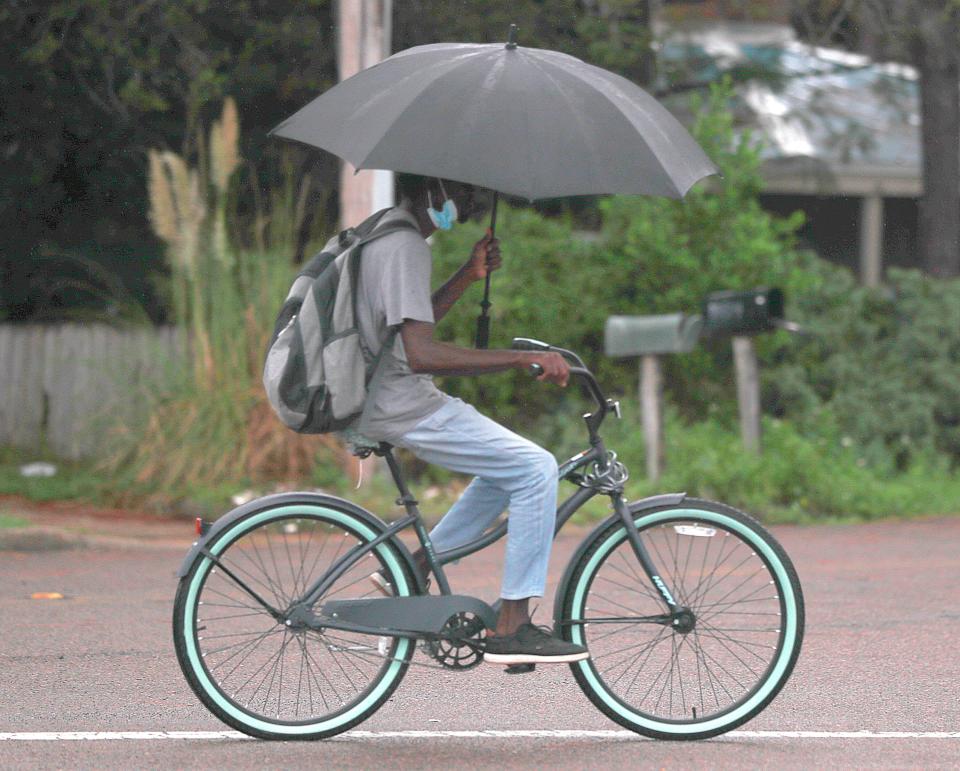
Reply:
x=520, y=669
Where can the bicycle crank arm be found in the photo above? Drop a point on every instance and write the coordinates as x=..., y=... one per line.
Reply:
x=664, y=619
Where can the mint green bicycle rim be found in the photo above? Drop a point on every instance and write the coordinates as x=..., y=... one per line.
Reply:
x=200, y=671
x=775, y=674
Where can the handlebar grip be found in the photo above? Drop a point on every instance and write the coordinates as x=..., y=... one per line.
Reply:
x=535, y=370
x=528, y=344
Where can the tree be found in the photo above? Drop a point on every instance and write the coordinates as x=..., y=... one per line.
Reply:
x=87, y=86
x=925, y=34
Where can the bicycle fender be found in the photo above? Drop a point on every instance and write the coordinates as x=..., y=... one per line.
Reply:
x=286, y=499
x=644, y=504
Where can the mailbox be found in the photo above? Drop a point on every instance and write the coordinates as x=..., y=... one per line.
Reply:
x=644, y=335
x=742, y=313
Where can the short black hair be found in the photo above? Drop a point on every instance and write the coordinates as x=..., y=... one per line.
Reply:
x=412, y=186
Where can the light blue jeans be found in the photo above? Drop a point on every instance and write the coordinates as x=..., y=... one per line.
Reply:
x=510, y=471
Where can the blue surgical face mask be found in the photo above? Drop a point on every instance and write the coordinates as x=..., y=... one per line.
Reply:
x=442, y=219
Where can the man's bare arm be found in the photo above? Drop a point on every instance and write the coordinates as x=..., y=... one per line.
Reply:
x=429, y=356
x=484, y=257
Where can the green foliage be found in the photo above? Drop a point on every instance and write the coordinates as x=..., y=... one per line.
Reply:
x=802, y=475
x=882, y=362
x=207, y=429
x=10, y=520
x=672, y=253
x=73, y=481
x=87, y=86
x=546, y=272
x=654, y=255
x=210, y=427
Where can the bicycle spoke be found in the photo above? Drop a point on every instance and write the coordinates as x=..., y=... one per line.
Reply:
x=671, y=565
x=232, y=564
x=279, y=672
x=270, y=631
x=236, y=615
x=696, y=672
x=282, y=599
x=306, y=660
x=713, y=679
x=714, y=584
x=641, y=582
x=757, y=572
x=695, y=592
x=707, y=631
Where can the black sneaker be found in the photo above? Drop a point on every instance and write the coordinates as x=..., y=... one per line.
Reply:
x=532, y=645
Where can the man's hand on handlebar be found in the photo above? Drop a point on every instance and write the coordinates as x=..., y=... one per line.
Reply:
x=555, y=368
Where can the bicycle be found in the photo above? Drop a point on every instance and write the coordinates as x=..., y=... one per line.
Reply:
x=692, y=612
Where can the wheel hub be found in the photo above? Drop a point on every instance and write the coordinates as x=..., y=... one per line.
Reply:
x=297, y=618
x=683, y=621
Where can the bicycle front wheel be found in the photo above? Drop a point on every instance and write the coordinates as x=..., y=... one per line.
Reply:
x=709, y=670
x=251, y=669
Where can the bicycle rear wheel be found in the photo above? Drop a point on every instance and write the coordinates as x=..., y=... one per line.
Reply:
x=701, y=674
x=256, y=673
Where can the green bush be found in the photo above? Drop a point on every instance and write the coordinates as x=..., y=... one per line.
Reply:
x=552, y=286
x=653, y=255
x=882, y=362
x=800, y=476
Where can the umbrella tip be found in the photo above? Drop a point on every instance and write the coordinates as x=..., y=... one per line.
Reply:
x=512, y=38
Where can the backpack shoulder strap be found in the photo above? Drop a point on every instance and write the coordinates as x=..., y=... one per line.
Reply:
x=354, y=264
x=374, y=370
x=362, y=230
x=390, y=227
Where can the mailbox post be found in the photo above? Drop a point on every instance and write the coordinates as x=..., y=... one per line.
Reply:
x=743, y=315
x=649, y=337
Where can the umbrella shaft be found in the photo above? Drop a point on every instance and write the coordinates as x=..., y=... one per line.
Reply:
x=483, y=320
x=493, y=234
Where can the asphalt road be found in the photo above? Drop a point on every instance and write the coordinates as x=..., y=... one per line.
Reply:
x=880, y=655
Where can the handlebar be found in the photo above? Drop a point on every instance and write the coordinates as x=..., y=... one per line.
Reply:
x=578, y=370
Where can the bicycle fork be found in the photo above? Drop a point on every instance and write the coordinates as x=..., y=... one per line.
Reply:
x=677, y=616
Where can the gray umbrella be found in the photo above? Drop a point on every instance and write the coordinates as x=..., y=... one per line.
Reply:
x=521, y=121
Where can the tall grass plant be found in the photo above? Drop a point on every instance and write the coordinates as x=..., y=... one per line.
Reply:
x=210, y=425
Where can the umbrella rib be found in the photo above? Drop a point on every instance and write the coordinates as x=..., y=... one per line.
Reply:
x=566, y=98
x=464, y=60
x=604, y=86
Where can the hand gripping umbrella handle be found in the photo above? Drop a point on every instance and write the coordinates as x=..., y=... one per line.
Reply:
x=483, y=320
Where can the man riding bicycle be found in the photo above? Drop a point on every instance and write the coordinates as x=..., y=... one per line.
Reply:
x=409, y=411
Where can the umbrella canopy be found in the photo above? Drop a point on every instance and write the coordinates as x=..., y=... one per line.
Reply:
x=522, y=121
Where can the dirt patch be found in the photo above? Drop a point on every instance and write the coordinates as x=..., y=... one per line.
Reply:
x=80, y=523
x=74, y=509
x=31, y=539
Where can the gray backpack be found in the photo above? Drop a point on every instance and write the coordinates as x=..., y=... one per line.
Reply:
x=318, y=371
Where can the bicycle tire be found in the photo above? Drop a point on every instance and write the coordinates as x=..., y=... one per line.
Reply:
x=673, y=534
x=332, y=661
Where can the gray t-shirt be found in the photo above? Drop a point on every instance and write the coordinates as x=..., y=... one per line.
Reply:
x=395, y=285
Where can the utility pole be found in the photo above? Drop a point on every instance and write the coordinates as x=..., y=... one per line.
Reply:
x=364, y=34
x=364, y=30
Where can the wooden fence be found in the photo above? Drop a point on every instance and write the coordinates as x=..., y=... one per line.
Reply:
x=62, y=386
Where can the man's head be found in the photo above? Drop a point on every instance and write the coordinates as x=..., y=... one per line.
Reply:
x=422, y=192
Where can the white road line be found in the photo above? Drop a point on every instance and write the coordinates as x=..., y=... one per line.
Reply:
x=55, y=736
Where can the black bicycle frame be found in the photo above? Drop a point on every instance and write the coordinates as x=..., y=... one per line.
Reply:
x=596, y=457
x=597, y=454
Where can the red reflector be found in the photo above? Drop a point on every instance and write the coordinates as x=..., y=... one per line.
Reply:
x=199, y=526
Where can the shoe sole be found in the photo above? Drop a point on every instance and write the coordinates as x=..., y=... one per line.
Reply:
x=531, y=658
